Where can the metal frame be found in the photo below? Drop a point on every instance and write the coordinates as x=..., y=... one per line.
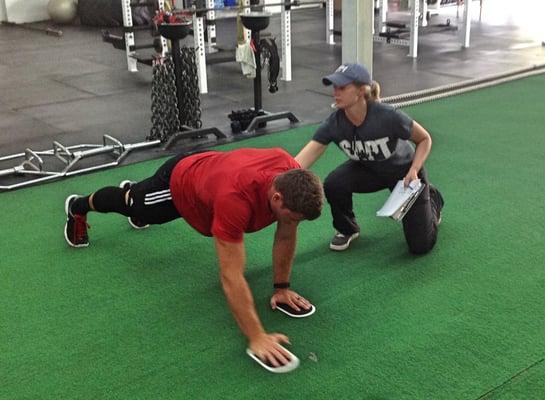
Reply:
x=129, y=36
x=467, y=23
x=33, y=163
x=285, y=34
x=412, y=42
x=415, y=15
x=200, y=52
x=190, y=133
x=211, y=26
x=285, y=29
x=254, y=124
x=330, y=22
x=207, y=17
x=132, y=62
x=383, y=15
x=199, y=42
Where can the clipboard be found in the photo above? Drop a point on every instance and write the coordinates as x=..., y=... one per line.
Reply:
x=401, y=200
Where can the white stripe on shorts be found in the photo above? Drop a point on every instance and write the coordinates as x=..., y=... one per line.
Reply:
x=157, y=197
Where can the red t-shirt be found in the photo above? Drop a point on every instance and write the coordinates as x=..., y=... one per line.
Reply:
x=225, y=194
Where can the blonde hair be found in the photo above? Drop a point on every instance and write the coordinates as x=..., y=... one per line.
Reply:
x=372, y=92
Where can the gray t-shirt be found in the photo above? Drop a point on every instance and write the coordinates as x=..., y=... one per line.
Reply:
x=380, y=143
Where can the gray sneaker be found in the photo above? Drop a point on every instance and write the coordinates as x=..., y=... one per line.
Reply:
x=341, y=242
x=136, y=224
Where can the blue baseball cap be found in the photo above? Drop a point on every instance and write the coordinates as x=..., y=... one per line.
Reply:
x=348, y=73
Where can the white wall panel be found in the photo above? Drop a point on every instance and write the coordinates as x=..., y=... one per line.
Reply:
x=21, y=11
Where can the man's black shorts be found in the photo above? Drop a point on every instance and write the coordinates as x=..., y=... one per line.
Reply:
x=150, y=200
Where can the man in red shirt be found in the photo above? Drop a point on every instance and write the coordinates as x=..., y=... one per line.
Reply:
x=224, y=195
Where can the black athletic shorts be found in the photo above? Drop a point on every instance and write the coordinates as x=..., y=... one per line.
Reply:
x=150, y=200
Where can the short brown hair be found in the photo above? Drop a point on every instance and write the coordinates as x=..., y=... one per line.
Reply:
x=302, y=192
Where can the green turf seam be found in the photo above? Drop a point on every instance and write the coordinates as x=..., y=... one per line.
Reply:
x=494, y=390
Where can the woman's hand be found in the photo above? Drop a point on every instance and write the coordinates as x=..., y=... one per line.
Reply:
x=412, y=175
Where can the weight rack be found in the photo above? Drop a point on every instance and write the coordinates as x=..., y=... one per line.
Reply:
x=33, y=161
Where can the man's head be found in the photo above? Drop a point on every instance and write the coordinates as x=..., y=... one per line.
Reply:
x=299, y=192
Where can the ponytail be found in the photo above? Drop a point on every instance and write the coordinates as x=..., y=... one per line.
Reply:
x=372, y=92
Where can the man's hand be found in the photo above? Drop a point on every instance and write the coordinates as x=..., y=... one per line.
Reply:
x=290, y=298
x=267, y=347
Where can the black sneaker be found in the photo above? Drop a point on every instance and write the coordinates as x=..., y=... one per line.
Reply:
x=75, y=230
x=132, y=221
x=438, y=203
x=341, y=242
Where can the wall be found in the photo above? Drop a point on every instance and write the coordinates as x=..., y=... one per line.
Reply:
x=2, y=10
x=20, y=11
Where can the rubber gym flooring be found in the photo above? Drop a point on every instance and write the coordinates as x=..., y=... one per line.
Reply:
x=74, y=89
x=141, y=315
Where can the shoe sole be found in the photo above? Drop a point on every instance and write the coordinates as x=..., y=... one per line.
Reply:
x=136, y=226
x=441, y=200
x=122, y=186
x=66, y=210
x=344, y=246
x=125, y=182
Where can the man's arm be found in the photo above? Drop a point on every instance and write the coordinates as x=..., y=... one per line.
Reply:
x=285, y=240
x=232, y=259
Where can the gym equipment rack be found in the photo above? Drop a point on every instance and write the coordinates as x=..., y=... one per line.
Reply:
x=418, y=17
x=33, y=161
x=256, y=22
x=208, y=16
x=127, y=41
x=286, y=7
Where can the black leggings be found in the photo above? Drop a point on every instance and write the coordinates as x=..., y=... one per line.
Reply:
x=419, y=224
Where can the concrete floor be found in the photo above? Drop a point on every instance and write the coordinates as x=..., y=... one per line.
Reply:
x=75, y=88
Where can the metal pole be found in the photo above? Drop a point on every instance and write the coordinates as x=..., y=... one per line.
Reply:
x=129, y=36
x=357, y=31
x=424, y=12
x=246, y=10
x=257, y=79
x=330, y=23
x=164, y=45
x=383, y=15
x=467, y=23
x=200, y=53
x=285, y=27
x=294, y=3
x=211, y=24
x=415, y=13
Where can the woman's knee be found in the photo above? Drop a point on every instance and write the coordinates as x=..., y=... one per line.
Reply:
x=421, y=246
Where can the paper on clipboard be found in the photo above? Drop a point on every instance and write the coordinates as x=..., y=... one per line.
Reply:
x=401, y=199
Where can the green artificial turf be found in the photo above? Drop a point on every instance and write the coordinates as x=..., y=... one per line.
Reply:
x=141, y=314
